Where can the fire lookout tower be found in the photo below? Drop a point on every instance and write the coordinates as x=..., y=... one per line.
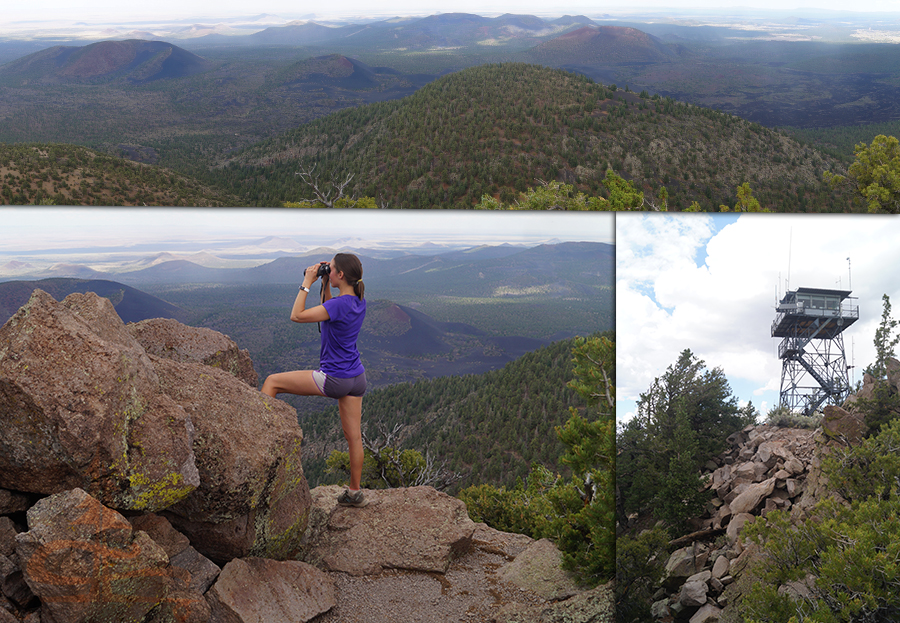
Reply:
x=814, y=367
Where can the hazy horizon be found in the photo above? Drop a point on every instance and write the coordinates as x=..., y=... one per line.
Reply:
x=112, y=238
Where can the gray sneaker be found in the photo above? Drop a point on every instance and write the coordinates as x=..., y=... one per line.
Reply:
x=348, y=498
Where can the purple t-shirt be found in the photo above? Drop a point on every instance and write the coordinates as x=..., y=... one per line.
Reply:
x=339, y=356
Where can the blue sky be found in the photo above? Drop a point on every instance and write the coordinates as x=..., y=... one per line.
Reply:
x=710, y=283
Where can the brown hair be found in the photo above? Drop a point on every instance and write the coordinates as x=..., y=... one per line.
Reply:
x=350, y=265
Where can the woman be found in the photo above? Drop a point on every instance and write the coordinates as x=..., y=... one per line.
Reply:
x=341, y=374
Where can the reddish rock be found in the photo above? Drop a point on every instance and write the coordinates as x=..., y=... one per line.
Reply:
x=85, y=563
x=844, y=425
x=171, y=339
x=418, y=528
x=161, y=531
x=80, y=407
x=258, y=589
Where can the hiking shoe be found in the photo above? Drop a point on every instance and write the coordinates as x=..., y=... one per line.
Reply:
x=348, y=498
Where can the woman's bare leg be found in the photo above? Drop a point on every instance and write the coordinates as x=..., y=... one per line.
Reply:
x=299, y=382
x=350, y=408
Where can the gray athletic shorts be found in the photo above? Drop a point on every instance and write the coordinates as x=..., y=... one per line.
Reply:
x=334, y=387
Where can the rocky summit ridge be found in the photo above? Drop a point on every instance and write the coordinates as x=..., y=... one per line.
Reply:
x=144, y=478
x=766, y=468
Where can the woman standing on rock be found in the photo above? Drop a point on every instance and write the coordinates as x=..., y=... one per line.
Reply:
x=341, y=374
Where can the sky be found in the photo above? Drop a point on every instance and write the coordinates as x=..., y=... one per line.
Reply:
x=30, y=228
x=169, y=9
x=710, y=283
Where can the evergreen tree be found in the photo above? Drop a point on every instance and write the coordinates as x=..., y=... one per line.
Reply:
x=687, y=400
x=875, y=175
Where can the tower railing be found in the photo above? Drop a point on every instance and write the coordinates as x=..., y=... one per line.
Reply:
x=844, y=312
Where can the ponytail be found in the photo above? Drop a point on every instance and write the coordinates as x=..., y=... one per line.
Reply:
x=350, y=265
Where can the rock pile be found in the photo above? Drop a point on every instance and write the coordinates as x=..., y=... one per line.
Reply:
x=767, y=468
x=144, y=479
x=764, y=470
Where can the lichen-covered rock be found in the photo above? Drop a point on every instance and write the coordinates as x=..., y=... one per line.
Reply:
x=165, y=337
x=258, y=589
x=253, y=498
x=418, y=528
x=85, y=562
x=80, y=406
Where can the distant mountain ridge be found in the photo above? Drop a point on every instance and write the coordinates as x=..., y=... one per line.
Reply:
x=608, y=44
x=434, y=31
x=134, y=60
x=131, y=304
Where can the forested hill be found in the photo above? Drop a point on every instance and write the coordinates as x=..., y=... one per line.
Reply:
x=492, y=426
x=72, y=175
x=497, y=129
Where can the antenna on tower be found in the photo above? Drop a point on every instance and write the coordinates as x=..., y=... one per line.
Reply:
x=787, y=284
x=849, y=275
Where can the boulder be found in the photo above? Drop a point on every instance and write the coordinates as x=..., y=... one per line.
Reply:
x=85, y=562
x=80, y=407
x=735, y=526
x=752, y=496
x=693, y=594
x=259, y=589
x=709, y=613
x=720, y=567
x=13, y=502
x=165, y=337
x=253, y=499
x=539, y=569
x=843, y=425
x=418, y=528
x=682, y=564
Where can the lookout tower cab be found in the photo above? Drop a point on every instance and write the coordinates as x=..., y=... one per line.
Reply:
x=814, y=368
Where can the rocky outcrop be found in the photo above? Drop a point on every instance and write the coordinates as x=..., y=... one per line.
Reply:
x=142, y=481
x=364, y=541
x=80, y=406
x=766, y=469
x=84, y=405
x=164, y=337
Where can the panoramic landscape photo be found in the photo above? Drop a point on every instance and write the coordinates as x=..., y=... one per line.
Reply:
x=693, y=106
x=134, y=343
